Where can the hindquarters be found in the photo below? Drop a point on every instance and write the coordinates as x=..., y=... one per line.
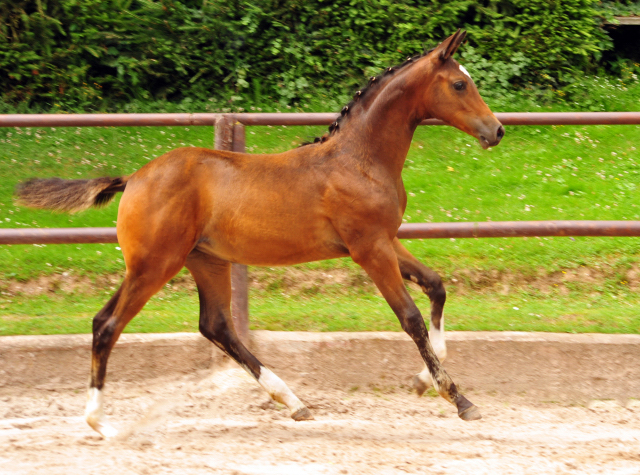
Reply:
x=162, y=213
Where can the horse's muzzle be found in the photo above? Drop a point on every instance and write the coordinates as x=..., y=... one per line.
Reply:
x=491, y=139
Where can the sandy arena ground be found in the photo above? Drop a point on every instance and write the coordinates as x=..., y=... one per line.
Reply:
x=223, y=423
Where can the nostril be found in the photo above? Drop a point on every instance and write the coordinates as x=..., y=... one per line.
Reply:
x=500, y=132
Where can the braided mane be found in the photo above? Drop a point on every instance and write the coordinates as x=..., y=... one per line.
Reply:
x=373, y=83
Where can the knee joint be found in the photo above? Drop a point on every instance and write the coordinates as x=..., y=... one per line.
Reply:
x=434, y=288
x=438, y=292
x=413, y=323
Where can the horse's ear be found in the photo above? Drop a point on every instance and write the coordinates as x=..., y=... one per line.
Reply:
x=449, y=46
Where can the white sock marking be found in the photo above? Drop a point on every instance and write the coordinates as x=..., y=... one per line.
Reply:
x=426, y=378
x=437, y=340
x=278, y=390
x=94, y=414
x=439, y=346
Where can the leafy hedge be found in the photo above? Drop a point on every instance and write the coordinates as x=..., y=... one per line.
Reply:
x=101, y=54
x=620, y=7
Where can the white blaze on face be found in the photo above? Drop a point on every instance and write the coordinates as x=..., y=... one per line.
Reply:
x=464, y=70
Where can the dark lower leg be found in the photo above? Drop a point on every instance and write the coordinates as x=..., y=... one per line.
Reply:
x=416, y=328
x=431, y=284
x=108, y=324
x=213, y=279
x=103, y=329
x=381, y=261
x=223, y=336
x=219, y=330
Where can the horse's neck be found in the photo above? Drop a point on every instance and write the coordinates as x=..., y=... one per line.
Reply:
x=381, y=132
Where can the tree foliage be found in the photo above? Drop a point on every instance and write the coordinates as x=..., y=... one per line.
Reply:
x=94, y=54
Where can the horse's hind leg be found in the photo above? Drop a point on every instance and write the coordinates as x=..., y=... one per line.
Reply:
x=431, y=284
x=136, y=289
x=213, y=278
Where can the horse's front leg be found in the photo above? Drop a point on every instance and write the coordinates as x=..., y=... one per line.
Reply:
x=431, y=284
x=378, y=258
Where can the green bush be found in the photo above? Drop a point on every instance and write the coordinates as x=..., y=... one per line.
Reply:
x=620, y=7
x=102, y=55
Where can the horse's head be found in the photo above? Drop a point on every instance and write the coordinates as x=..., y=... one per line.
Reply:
x=452, y=96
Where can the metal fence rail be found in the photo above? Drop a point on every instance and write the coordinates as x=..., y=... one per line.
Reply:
x=518, y=229
x=58, y=236
x=407, y=231
x=292, y=118
x=230, y=135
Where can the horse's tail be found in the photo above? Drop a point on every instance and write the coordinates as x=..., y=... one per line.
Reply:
x=68, y=195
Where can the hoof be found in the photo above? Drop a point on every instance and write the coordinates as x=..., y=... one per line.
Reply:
x=419, y=385
x=302, y=414
x=108, y=431
x=470, y=414
x=95, y=417
x=467, y=411
x=103, y=428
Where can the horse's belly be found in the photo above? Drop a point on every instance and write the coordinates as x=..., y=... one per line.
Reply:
x=270, y=246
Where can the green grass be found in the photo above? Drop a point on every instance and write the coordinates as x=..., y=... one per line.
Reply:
x=354, y=311
x=537, y=173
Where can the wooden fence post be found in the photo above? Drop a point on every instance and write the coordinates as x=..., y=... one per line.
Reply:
x=230, y=135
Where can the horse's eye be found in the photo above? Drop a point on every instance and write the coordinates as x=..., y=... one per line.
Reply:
x=459, y=86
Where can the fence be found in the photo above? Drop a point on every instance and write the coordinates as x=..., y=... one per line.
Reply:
x=230, y=135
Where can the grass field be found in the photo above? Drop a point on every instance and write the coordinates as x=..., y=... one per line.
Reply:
x=175, y=311
x=537, y=173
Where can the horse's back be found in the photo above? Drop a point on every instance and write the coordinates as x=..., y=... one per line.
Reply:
x=255, y=209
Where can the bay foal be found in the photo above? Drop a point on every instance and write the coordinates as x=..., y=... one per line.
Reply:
x=341, y=196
